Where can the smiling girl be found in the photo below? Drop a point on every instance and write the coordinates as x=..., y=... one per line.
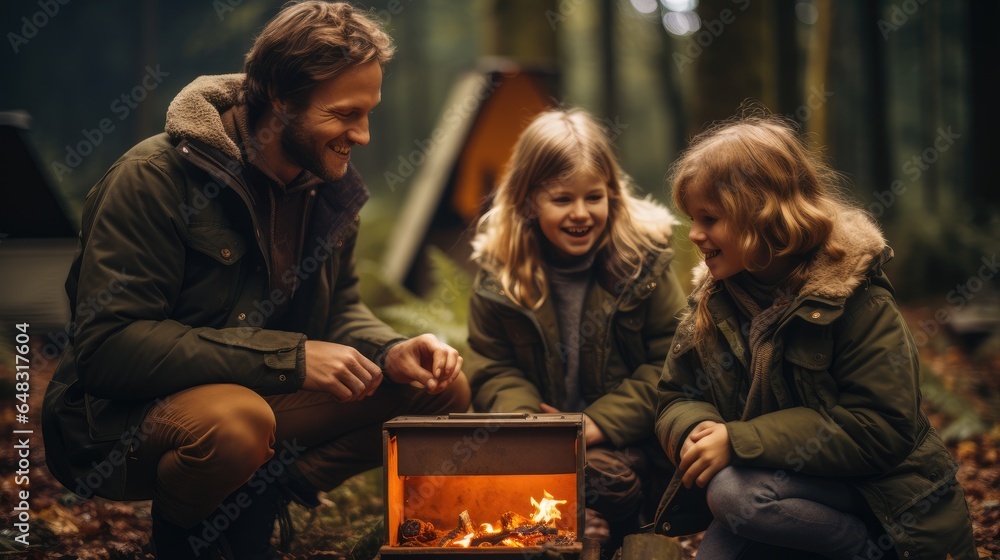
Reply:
x=791, y=392
x=575, y=305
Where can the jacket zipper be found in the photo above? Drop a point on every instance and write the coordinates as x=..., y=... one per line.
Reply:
x=208, y=164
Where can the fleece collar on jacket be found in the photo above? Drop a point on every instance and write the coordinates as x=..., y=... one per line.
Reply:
x=196, y=112
x=830, y=278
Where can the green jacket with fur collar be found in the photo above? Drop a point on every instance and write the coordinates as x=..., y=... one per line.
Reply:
x=515, y=362
x=170, y=290
x=845, y=358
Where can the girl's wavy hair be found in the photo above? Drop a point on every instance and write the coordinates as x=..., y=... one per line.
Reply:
x=306, y=43
x=558, y=146
x=772, y=190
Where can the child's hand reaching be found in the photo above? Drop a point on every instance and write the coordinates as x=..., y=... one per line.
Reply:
x=705, y=452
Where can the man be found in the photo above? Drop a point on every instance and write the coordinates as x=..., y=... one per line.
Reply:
x=223, y=363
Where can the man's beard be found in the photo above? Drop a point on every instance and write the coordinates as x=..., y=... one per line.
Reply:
x=297, y=146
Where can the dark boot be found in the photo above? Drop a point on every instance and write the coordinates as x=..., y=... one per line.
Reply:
x=297, y=489
x=172, y=542
x=252, y=510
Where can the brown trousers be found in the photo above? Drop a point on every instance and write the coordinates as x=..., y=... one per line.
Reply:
x=205, y=442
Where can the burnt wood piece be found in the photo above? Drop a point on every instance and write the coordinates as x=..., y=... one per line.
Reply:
x=518, y=533
x=417, y=530
x=465, y=527
x=449, y=536
x=465, y=522
x=510, y=521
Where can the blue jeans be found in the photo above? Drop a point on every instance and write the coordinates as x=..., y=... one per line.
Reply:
x=814, y=514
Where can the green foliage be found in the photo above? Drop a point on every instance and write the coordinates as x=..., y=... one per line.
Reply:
x=443, y=312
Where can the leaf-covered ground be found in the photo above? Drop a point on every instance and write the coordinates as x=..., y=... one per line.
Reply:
x=962, y=398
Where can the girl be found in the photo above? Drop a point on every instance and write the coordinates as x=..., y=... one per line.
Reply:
x=791, y=389
x=575, y=306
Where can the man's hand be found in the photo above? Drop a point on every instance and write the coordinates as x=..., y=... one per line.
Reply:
x=340, y=370
x=705, y=452
x=592, y=433
x=424, y=361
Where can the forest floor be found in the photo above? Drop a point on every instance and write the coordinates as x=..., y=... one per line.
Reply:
x=962, y=399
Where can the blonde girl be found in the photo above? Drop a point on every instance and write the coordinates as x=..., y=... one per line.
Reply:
x=790, y=399
x=575, y=306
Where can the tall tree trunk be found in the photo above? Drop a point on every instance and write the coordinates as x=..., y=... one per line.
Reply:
x=732, y=63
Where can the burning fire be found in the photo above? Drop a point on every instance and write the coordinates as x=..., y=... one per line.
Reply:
x=547, y=511
x=514, y=530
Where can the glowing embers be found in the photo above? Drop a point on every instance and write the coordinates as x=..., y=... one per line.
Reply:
x=512, y=530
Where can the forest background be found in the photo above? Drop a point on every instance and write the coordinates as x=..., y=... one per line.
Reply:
x=900, y=95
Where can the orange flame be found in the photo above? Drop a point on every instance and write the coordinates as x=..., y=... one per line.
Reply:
x=464, y=542
x=546, y=510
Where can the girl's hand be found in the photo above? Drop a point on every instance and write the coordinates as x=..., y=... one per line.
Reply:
x=592, y=433
x=707, y=454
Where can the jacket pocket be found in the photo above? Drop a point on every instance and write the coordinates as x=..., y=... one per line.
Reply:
x=217, y=241
x=214, y=271
x=811, y=355
x=918, y=482
x=88, y=440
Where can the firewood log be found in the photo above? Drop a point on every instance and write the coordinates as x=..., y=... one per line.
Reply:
x=416, y=530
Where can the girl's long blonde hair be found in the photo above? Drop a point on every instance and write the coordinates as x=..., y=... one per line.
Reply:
x=562, y=145
x=776, y=193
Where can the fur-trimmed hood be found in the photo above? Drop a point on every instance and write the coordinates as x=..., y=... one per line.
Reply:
x=829, y=277
x=196, y=112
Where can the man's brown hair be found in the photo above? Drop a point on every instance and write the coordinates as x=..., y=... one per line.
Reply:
x=305, y=43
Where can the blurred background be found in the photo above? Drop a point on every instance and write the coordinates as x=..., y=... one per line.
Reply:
x=899, y=94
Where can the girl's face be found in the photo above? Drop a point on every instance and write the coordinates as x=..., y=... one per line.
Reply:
x=572, y=215
x=712, y=233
